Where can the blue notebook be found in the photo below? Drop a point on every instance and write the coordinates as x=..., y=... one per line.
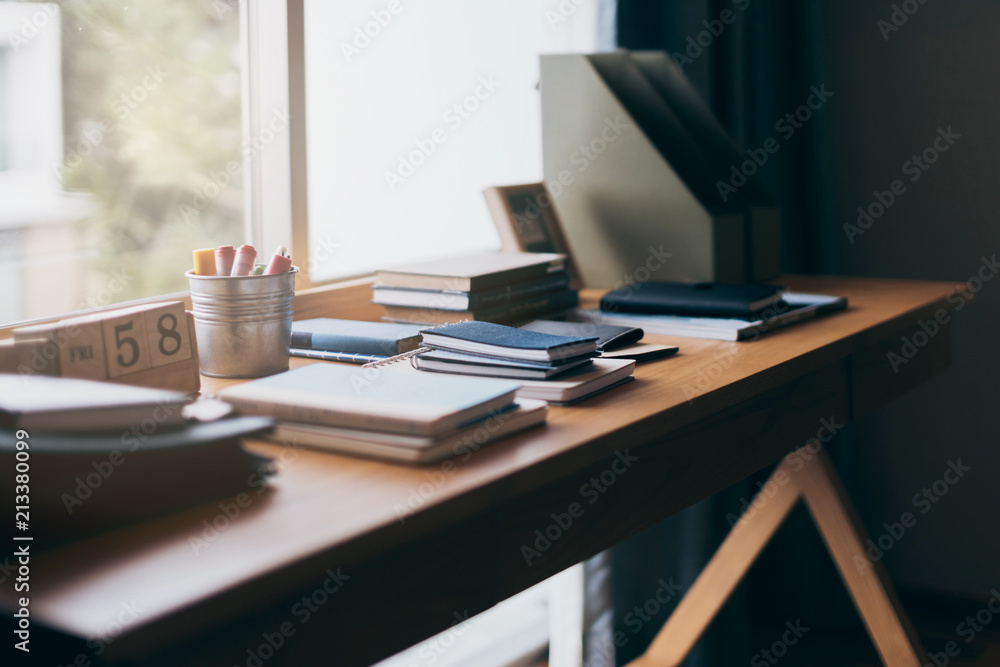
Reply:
x=476, y=364
x=498, y=340
x=381, y=338
x=372, y=398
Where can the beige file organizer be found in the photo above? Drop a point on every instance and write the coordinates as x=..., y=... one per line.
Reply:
x=622, y=205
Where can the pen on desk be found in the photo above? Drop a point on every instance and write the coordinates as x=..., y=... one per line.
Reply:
x=280, y=262
x=326, y=355
x=243, y=264
x=204, y=262
x=224, y=257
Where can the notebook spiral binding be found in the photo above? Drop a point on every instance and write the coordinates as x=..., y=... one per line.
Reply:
x=406, y=355
x=399, y=357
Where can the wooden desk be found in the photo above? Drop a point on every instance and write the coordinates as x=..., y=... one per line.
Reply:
x=694, y=424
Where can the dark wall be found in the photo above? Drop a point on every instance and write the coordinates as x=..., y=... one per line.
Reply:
x=939, y=70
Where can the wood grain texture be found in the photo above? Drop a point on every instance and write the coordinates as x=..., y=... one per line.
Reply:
x=808, y=475
x=700, y=421
x=723, y=573
x=868, y=583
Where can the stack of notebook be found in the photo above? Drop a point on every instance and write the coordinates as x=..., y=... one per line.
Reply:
x=106, y=455
x=405, y=417
x=558, y=369
x=491, y=287
x=709, y=310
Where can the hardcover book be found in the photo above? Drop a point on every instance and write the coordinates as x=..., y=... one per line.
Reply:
x=381, y=338
x=516, y=311
x=469, y=273
x=458, y=300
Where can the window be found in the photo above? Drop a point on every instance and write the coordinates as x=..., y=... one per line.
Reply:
x=412, y=108
x=125, y=141
x=120, y=148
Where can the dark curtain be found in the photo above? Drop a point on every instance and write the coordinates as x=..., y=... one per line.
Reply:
x=752, y=70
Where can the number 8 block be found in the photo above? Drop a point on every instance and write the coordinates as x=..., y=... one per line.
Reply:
x=167, y=334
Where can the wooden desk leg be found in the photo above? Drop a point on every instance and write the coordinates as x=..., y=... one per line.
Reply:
x=818, y=484
x=871, y=589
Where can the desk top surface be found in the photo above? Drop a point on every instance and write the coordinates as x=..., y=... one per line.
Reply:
x=326, y=503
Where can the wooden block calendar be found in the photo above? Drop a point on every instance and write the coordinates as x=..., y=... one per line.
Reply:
x=151, y=345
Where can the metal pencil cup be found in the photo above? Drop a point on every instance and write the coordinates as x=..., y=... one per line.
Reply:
x=244, y=323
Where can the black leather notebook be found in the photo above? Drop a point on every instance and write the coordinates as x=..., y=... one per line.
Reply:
x=502, y=341
x=693, y=300
x=609, y=336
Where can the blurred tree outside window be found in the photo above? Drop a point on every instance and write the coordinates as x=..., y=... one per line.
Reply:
x=120, y=148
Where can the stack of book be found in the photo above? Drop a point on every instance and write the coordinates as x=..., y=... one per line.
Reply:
x=106, y=455
x=395, y=416
x=709, y=310
x=491, y=287
x=558, y=369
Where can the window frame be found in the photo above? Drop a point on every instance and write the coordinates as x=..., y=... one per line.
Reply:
x=273, y=81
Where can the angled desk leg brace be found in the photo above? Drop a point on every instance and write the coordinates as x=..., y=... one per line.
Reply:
x=817, y=484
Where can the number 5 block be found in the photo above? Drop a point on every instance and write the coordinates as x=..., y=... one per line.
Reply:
x=126, y=343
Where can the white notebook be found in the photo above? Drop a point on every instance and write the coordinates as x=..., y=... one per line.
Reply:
x=411, y=448
x=564, y=389
x=349, y=397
